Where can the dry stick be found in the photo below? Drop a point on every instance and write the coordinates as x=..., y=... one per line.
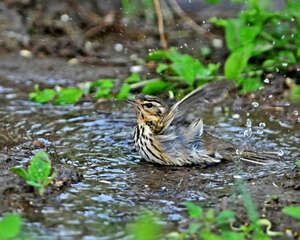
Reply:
x=160, y=25
x=186, y=19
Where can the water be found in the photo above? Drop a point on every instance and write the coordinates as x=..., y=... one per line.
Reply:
x=96, y=140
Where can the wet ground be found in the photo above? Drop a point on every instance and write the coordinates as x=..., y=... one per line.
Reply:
x=102, y=183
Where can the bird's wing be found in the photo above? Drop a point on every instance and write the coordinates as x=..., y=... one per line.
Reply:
x=209, y=93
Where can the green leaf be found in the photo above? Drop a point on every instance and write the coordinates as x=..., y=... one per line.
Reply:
x=210, y=215
x=161, y=67
x=287, y=57
x=158, y=55
x=34, y=184
x=21, y=172
x=68, y=96
x=237, y=62
x=42, y=96
x=219, y=22
x=194, y=210
x=225, y=217
x=298, y=163
x=133, y=78
x=124, y=91
x=269, y=64
x=187, y=68
x=103, y=83
x=295, y=93
x=212, y=1
x=145, y=228
x=293, y=211
x=193, y=227
x=39, y=168
x=157, y=86
x=250, y=84
x=207, y=235
x=10, y=226
x=232, y=34
x=102, y=93
x=248, y=34
x=228, y=235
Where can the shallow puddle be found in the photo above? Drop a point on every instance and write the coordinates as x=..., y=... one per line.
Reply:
x=97, y=141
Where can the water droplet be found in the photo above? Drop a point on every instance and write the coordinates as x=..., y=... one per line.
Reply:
x=255, y=104
x=248, y=133
x=296, y=113
x=136, y=68
x=64, y=18
x=260, y=131
x=280, y=153
x=266, y=80
x=237, y=176
x=118, y=47
x=248, y=123
x=238, y=152
x=235, y=116
x=293, y=19
x=262, y=125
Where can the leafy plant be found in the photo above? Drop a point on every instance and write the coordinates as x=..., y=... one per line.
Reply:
x=268, y=40
x=44, y=96
x=298, y=163
x=293, y=211
x=67, y=96
x=10, y=226
x=184, y=66
x=146, y=228
x=38, y=173
x=295, y=93
x=60, y=97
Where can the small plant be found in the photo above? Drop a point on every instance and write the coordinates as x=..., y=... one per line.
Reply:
x=146, y=228
x=38, y=172
x=293, y=211
x=259, y=39
x=10, y=226
x=60, y=97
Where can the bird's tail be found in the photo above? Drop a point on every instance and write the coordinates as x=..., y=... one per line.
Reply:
x=262, y=158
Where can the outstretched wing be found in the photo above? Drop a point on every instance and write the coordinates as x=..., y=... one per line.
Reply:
x=213, y=92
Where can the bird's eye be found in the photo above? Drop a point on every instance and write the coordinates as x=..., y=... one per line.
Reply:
x=148, y=105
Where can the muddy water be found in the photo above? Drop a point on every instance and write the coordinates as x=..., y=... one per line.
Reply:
x=96, y=140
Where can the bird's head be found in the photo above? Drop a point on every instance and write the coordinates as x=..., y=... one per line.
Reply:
x=149, y=110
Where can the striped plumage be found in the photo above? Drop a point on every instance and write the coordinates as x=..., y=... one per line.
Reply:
x=159, y=142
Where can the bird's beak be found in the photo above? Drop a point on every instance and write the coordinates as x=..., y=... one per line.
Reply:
x=132, y=102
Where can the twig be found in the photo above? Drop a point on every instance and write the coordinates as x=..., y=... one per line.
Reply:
x=142, y=83
x=160, y=25
x=186, y=19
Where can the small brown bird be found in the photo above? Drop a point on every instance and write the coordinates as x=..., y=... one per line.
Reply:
x=160, y=142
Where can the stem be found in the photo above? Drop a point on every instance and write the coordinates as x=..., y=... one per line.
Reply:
x=142, y=83
x=160, y=25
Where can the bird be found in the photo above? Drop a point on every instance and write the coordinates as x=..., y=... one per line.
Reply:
x=160, y=141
